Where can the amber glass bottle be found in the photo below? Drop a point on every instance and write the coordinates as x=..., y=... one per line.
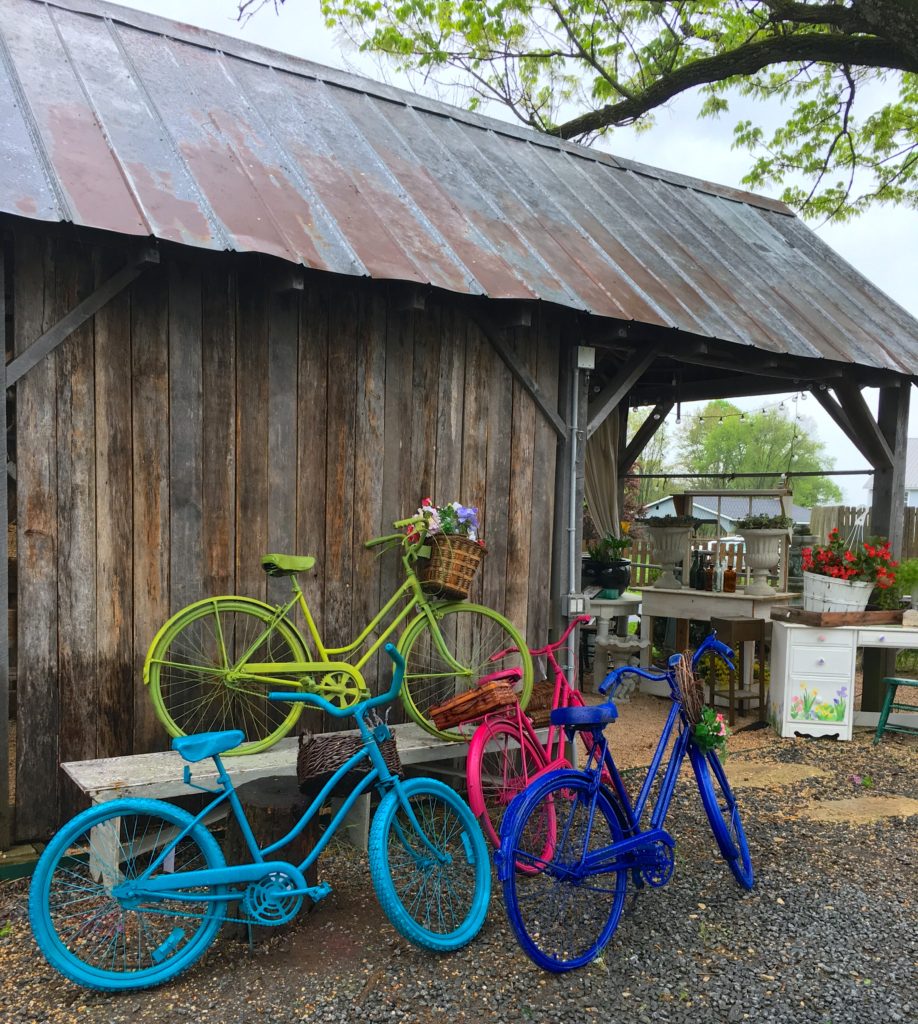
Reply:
x=730, y=579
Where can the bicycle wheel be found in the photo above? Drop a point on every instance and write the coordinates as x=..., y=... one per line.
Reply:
x=440, y=906
x=501, y=762
x=561, y=918
x=443, y=665
x=723, y=814
x=101, y=941
x=195, y=669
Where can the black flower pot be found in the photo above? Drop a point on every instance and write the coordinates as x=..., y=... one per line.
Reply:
x=616, y=575
x=590, y=570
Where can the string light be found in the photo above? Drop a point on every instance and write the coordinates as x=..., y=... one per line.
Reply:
x=741, y=415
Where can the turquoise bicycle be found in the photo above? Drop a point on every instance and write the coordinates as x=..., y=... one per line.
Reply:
x=132, y=892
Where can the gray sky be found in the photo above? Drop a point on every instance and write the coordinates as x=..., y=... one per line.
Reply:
x=882, y=244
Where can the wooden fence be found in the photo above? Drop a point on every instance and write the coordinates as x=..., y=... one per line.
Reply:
x=824, y=520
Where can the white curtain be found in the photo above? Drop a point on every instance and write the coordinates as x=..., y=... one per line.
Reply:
x=600, y=476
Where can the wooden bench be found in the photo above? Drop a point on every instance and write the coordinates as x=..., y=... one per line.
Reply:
x=159, y=775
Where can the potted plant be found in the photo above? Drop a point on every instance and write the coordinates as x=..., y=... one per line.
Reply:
x=837, y=578
x=669, y=536
x=907, y=579
x=763, y=536
x=611, y=570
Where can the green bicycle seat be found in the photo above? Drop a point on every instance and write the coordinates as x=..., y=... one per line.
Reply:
x=286, y=565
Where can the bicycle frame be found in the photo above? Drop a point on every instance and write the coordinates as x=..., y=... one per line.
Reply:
x=174, y=885
x=325, y=661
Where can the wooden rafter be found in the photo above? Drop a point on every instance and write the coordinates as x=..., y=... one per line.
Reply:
x=863, y=423
x=644, y=434
x=619, y=386
x=494, y=334
x=77, y=316
x=838, y=414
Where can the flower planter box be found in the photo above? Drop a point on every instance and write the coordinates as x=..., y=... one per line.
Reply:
x=827, y=594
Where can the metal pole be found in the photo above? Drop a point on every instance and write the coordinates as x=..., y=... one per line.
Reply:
x=6, y=812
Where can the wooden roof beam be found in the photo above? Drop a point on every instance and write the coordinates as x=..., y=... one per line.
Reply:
x=619, y=387
x=863, y=423
x=644, y=435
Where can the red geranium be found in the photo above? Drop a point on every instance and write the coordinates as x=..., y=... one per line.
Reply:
x=870, y=562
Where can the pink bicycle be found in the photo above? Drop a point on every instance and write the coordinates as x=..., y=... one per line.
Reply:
x=505, y=752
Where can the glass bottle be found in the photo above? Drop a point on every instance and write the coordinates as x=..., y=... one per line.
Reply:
x=695, y=569
x=709, y=575
x=730, y=578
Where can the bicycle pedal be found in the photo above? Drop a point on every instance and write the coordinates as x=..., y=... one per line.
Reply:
x=318, y=892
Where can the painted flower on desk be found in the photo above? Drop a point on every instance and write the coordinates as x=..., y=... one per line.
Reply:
x=810, y=708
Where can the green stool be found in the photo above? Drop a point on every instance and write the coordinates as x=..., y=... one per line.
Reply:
x=892, y=684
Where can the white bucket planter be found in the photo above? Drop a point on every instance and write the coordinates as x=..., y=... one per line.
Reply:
x=670, y=544
x=762, y=552
x=827, y=594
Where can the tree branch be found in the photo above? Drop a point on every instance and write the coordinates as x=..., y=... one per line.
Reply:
x=745, y=60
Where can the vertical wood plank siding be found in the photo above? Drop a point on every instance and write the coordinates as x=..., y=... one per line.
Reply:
x=200, y=420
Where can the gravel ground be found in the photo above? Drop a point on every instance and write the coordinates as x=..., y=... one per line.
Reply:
x=829, y=935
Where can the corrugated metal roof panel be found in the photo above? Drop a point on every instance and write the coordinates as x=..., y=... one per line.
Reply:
x=116, y=119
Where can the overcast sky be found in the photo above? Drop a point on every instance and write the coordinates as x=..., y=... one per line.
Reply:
x=882, y=244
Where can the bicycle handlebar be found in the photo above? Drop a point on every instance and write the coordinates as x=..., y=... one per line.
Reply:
x=360, y=706
x=614, y=677
x=538, y=652
x=711, y=643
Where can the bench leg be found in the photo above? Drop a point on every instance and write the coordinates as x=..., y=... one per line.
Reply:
x=884, y=714
x=105, y=852
x=355, y=826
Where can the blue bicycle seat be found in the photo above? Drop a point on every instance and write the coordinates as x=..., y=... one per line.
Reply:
x=206, y=744
x=584, y=718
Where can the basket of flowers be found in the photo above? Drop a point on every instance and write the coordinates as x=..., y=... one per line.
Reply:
x=451, y=534
x=840, y=576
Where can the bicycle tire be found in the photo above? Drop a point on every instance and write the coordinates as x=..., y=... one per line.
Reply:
x=197, y=684
x=501, y=762
x=471, y=634
x=723, y=815
x=70, y=885
x=438, y=907
x=560, y=921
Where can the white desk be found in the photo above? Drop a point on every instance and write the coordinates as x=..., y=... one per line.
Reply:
x=701, y=605
x=812, y=677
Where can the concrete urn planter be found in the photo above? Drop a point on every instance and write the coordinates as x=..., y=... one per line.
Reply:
x=762, y=554
x=669, y=548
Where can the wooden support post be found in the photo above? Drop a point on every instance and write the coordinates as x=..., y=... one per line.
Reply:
x=887, y=518
x=6, y=809
x=562, y=503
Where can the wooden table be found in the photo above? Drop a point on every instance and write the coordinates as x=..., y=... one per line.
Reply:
x=702, y=605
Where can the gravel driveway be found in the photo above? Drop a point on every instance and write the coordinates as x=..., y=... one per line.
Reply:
x=829, y=934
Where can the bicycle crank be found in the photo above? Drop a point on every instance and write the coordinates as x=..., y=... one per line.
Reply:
x=661, y=871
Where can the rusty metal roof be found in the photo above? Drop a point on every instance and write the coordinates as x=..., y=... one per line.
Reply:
x=119, y=120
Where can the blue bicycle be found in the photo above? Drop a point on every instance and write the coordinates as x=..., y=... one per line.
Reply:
x=132, y=892
x=577, y=835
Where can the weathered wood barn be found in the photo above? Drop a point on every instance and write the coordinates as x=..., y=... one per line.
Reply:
x=254, y=304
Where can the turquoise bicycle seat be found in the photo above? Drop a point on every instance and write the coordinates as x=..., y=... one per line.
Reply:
x=206, y=744
x=584, y=717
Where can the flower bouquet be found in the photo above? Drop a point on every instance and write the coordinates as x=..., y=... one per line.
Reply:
x=450, y=532
x=837, y=577
x=710, y=732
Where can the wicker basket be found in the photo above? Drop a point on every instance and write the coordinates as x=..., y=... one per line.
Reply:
x=320, y=756
x=539, y=707
x=691, y=689
x=473, y=704
x=452, y=565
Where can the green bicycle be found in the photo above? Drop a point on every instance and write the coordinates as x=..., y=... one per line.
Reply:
x=211, y=666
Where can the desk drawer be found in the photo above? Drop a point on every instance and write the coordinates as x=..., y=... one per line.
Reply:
x=821, y=660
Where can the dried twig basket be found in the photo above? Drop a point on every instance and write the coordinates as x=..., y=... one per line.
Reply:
x=320, y=756
x=452, y=565
x=691, y=689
